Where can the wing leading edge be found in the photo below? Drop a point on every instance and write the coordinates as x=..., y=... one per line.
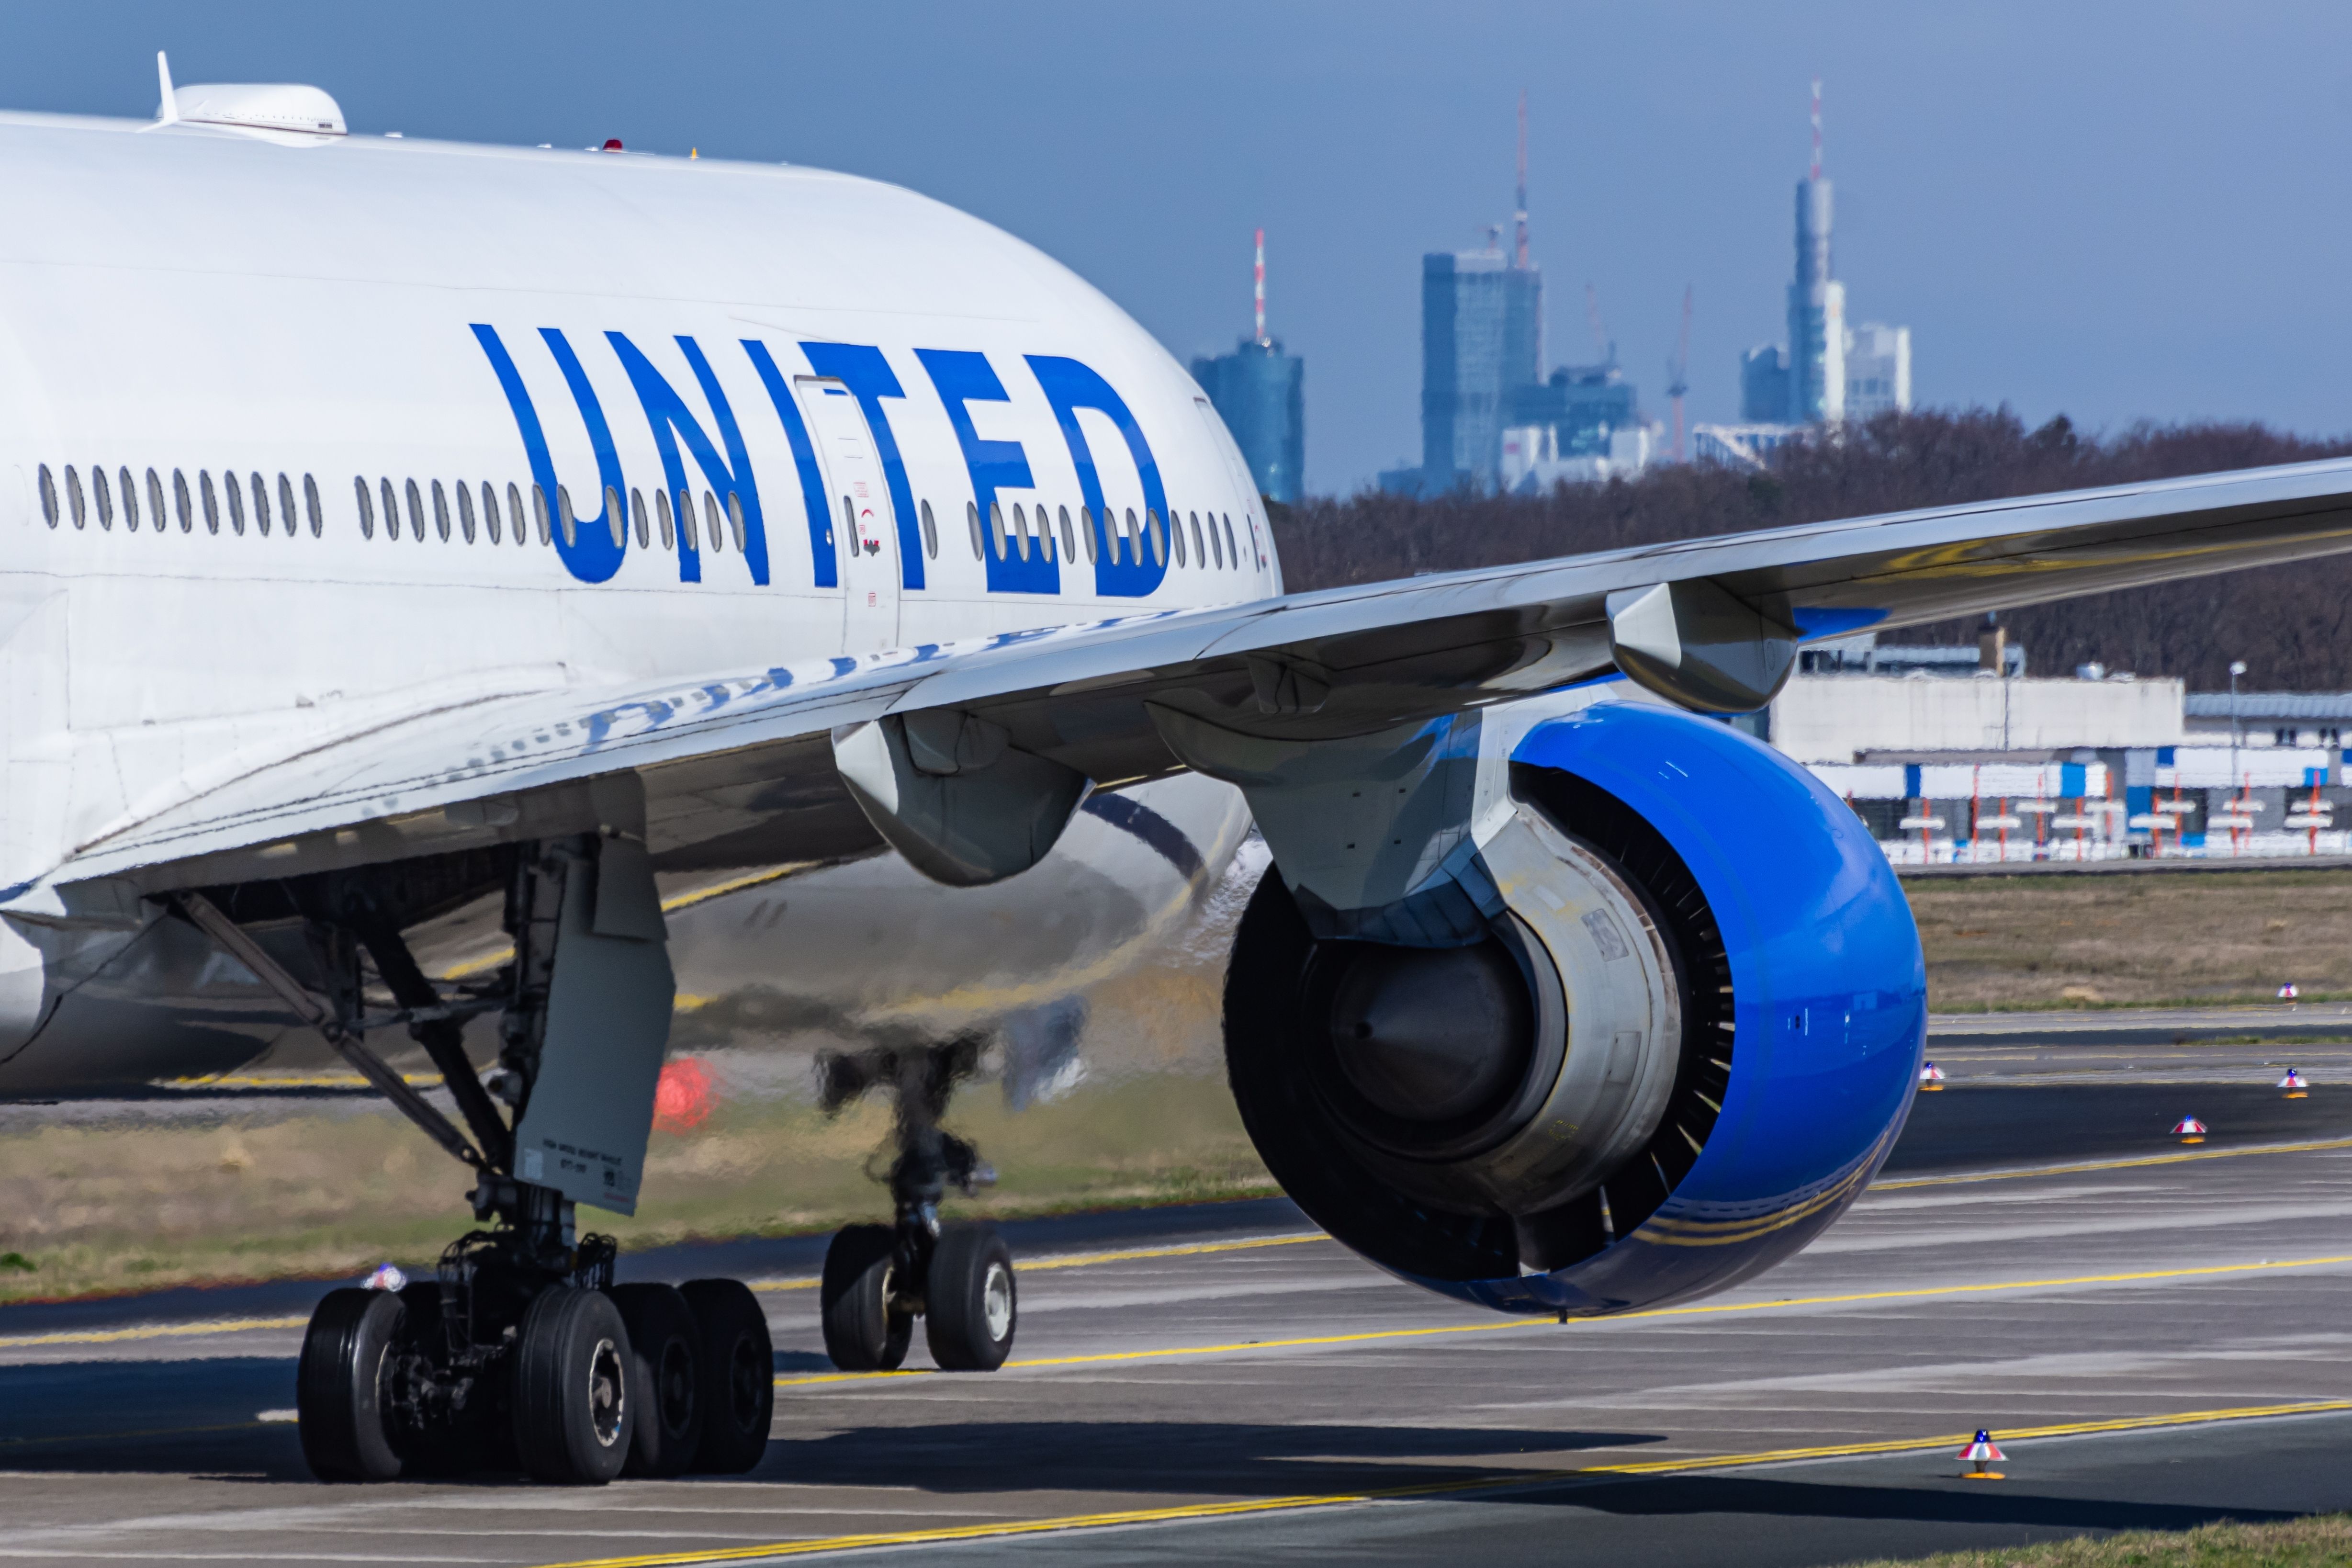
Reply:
x=741, y=767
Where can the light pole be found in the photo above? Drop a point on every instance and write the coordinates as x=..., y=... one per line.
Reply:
x=2237, y=669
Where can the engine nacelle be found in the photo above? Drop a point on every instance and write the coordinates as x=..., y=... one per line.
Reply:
x=1679, y=1037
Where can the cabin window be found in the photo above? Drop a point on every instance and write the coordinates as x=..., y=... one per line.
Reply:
x=514, y=514
x=310, y=504
x=735, y=519
x=129, y=500
x=391, y=508
x=180, y=500
x=1232, y=551
x=713, y=529
x=1021, y=529
x=1086, y=527
x=235, y=500
x=48, y=496
x=466, y=511
x=155, y=499
x=685, y=529
x=971, y=516
x=1176, y=527
x=931, y=533
x=204, y=489
x=441, y=511
x=367, y=509
x=73, y=498
x=1159, y=528
x=1069, y=540
x=490, y=512
x=260, y=503
x=614, y=519
x=566, y=518
x=1199, y=552
x=996, y=527
x=638, y=513
x=661, y=516
x=100, y=493
x=416, y=512
x=286, y=506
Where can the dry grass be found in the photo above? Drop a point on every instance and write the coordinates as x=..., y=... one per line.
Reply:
x=2295, y=1543
x=116, y=1208
x=2136, y=941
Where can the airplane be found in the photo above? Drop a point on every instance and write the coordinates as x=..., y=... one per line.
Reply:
x=424, y=560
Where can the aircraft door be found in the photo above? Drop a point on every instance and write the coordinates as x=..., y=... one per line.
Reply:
x=864, y=534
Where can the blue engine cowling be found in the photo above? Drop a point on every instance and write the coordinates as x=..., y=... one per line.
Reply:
x=1798, y=997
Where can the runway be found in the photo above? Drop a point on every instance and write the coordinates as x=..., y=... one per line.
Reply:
x=2155, y=1333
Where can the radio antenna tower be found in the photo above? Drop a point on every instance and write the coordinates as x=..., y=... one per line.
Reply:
x=1817, y=128
x=1521, y=253
x=1259, y=283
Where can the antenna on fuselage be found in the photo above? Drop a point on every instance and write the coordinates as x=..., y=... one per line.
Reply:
x=168, y=112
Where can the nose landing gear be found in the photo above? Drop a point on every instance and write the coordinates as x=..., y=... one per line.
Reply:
x=880, y=1278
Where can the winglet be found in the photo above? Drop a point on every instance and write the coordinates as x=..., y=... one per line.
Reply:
x=167, y=112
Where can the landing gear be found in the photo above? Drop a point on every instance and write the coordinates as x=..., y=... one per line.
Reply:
x=520, y=1354
x=880, y=1278
x=340, y=1388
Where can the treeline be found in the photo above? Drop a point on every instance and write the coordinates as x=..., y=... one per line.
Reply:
x=2291, y=625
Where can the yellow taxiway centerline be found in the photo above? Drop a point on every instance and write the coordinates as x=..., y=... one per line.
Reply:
x=1508, y=1481
x=1965, y=1178
x=1088, y=1259
x=1715, y=1308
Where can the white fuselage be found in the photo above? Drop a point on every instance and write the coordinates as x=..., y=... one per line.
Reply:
x=831, y=415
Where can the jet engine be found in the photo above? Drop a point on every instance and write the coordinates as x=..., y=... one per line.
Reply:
x=1677, y=1038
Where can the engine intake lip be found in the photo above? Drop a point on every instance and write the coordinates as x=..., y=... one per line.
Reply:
x=1426, y=1097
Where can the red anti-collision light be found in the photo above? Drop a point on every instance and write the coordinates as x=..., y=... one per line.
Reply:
x=612, y=143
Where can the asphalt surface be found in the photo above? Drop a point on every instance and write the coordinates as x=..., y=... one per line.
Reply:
x=2155, y=1333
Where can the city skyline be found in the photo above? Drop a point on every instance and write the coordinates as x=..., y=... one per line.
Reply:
x=2014, y=184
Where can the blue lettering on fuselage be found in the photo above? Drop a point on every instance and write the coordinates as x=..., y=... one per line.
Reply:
x=729, y=476
x=964, y=377
x=1129, y=561
x=1124, y=567
x=861, y=368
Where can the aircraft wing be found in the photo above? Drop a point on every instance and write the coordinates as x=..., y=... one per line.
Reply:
x=741, y=767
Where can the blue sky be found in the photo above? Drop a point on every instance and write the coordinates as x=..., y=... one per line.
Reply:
x=2116, y=211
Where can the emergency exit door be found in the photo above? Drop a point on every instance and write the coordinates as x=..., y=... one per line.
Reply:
x=864, y=532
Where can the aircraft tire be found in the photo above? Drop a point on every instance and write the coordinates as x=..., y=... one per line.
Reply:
x=862, y=1333
x=665, y=1342
x=573, y=1405
x=970, y=1303
x=738, y=1365
x=339, y=1386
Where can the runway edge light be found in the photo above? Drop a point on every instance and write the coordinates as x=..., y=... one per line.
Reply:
x=2295, y=1084
x=1980, y=1454
x=2189, y=1130
x=387, y=1277
x=1931, y=1078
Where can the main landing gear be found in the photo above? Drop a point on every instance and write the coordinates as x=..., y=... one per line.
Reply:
x=879, y=1278
x=521, y=1353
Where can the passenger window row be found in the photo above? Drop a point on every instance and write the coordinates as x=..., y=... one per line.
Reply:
x=119, y=495
x=430, y=507
x=1127, y=539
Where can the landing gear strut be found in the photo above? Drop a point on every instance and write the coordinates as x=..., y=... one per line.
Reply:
x=521, y=1353
x=958, y=1278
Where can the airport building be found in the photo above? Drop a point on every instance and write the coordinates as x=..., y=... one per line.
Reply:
x=1957, y=756
x=1260, y=392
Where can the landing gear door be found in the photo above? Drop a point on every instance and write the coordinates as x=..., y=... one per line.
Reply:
x=864, y=534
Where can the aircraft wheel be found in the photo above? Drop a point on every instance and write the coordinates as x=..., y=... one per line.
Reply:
x=863, y=1332
x=736, y=1364
x=663, y=1338
x=339, y=1386
x=574, y=1405
x=970, y=1304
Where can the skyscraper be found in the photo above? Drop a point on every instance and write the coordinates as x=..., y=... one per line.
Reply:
x=1260, y=392
x=1481, y=342
x=1816, y=302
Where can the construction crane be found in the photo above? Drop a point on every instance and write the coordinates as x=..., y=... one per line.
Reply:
x=1678, y=371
